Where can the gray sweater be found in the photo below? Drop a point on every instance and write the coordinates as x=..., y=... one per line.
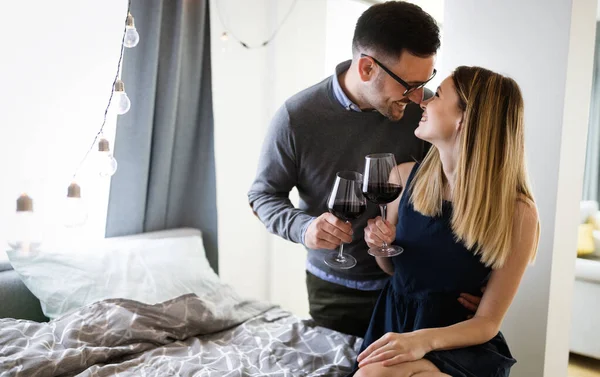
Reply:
x=310, y=139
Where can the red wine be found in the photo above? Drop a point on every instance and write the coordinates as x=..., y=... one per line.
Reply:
x=348, y=211
x=382, y=193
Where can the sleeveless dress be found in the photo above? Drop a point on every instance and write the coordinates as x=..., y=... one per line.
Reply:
x=428, y=278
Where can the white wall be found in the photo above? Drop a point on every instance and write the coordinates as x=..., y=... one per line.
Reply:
x=57, y=68
x=297, y=57
x=240, y=113
x=548, y=48
x=248, y=87
x=340, y=21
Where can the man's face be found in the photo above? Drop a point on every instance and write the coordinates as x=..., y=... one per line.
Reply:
x=383, y=92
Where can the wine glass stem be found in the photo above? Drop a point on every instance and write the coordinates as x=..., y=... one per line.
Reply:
x=341, y=253
x=383, y=208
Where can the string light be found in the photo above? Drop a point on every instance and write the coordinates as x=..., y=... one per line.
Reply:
x=229, y=33
x=75, y=209
x=105, y=162
x=132, y=38
x=122, y=104
x=27, y=236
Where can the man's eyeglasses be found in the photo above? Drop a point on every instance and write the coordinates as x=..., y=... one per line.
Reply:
x=409, y=88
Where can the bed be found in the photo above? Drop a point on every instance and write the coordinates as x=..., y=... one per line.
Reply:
x=210, y=333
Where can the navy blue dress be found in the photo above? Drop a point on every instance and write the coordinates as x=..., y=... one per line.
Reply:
x=428, y=278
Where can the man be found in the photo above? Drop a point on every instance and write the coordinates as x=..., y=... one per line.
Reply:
x=369, y=105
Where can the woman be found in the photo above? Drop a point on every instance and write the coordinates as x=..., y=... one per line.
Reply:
x=467, y=219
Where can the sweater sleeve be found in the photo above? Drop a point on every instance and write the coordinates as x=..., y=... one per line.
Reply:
x=276, y=175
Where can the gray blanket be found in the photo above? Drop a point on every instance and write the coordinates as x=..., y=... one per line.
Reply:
x=214, y=335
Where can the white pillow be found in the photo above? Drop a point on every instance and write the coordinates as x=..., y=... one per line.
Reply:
x=145, y=270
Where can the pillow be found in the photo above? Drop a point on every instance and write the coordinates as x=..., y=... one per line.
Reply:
x=585, y=240
x=145, y=270
x=587, y=211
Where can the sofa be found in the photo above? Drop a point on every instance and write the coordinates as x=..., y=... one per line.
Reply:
x=585, y=317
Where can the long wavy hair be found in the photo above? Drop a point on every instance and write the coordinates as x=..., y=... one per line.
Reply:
x=491, y=174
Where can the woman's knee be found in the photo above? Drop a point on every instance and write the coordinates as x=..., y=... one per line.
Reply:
x=407, y=369
x=372, y=370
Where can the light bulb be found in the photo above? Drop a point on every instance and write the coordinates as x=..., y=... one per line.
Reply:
x=120, y=101
x=75, y=209
x=26, y=232
x=105, y=162
x=224, y=36
x=132, y=37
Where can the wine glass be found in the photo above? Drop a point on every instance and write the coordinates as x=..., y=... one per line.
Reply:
x=380, y=170
x=347, y=203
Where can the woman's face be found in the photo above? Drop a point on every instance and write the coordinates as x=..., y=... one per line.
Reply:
x=441, y=120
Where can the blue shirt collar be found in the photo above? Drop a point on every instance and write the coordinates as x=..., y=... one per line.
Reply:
x=338, y=92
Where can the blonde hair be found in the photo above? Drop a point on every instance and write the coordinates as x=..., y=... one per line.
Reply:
x=491, y=175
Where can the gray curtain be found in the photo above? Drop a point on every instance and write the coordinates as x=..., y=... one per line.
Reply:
x=591, y=178
x=164, y=144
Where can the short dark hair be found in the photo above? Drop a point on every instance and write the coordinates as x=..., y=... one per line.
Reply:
x=394, y=26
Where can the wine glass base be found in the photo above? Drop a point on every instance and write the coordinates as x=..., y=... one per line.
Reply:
x=386, y=252
x=333, y=260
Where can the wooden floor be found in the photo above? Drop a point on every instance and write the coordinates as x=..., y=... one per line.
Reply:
x=580, y=366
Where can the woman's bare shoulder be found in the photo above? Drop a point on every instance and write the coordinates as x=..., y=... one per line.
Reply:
x=404, y=170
